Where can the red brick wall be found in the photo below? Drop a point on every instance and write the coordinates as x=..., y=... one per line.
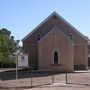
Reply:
x=30, y=44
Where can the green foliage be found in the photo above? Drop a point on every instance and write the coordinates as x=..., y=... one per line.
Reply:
x=8, y=46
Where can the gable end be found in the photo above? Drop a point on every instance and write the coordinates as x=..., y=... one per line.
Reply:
x=54, y=15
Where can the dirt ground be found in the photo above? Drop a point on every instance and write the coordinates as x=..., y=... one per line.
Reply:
x=61, y=88
x=80, y=80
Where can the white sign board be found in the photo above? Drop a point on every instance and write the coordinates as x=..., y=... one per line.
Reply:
x=22, y=60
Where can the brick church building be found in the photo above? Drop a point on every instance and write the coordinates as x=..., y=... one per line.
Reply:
x=56, y=44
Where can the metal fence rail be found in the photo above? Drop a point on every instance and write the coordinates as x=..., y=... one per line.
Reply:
x=82, y=78
x=42, y=77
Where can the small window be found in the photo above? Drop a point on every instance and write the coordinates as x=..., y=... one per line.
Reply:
x=55, y=57
x=70, y=36
x=38, y=37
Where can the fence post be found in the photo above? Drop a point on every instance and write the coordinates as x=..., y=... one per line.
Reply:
x=66, y=78
x=31, y=78
x=52, y=76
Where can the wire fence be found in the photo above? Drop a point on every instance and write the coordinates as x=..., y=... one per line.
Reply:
x=38, y=78
x=79, y=78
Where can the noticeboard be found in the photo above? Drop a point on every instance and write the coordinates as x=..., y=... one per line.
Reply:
x=22, y=61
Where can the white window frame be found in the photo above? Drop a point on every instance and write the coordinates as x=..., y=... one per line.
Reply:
x=55, y=50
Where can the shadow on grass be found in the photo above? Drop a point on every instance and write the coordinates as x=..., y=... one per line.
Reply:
x=11, y=75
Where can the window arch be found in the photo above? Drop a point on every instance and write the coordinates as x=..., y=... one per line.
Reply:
x=55, y=57
x=38, y=37
x=70, y=36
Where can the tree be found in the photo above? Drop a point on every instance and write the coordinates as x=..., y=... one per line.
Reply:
x=8, y=46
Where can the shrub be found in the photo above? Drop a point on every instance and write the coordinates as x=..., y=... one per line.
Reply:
x=8, y=63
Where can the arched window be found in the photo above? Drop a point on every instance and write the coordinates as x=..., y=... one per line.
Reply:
x=38, y=37
x=70, y=36
x=55, y=57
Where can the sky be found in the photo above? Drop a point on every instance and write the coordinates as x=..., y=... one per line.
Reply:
x=22, y=16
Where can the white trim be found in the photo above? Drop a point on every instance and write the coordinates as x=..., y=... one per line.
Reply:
x=54, y=13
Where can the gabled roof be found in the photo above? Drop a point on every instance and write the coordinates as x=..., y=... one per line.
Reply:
x=54, y=13
x=61, y=33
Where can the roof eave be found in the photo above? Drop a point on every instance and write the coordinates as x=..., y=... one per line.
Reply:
x=54, y=13
x=39, y=25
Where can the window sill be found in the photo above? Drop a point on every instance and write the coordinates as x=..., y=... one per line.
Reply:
x=56, y=64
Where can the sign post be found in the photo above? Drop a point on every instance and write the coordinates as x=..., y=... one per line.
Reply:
x=16, y=68
x=21, y=61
